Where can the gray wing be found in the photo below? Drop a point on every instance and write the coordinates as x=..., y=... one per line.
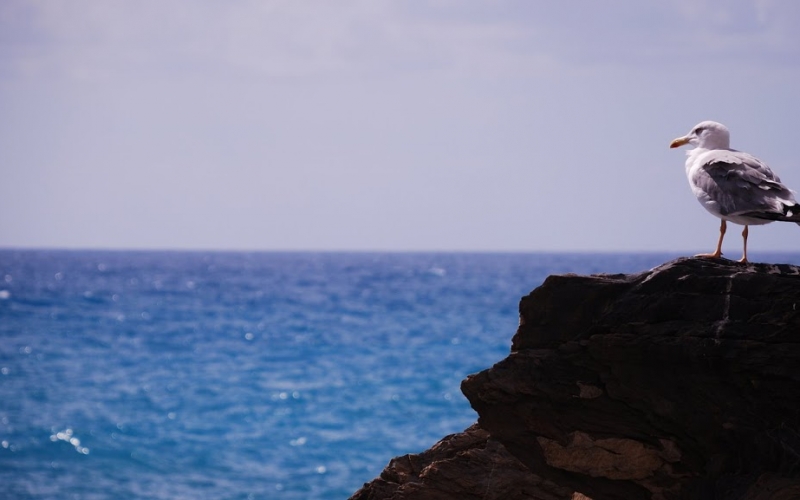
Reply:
x=741, y=184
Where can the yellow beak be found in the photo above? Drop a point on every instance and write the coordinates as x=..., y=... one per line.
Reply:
x=680, y=141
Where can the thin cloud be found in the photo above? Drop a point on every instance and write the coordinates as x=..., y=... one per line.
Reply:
x=95, y=40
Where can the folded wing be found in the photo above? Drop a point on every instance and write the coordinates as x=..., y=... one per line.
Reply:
x=743, y=185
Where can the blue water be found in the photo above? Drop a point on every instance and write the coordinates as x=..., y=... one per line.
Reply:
x=176, y=375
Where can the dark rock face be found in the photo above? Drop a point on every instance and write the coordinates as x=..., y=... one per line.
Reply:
x=682, y=382
x=465, y=466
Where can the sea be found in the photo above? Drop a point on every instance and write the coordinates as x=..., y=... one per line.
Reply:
x=233, y=375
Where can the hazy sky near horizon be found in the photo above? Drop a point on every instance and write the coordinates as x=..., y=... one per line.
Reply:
x=385, y=125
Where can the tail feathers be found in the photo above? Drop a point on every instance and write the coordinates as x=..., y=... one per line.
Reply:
x=792, y=213
x=789, y=214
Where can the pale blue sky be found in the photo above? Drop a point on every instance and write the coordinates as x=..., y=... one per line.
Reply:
x=385, y=125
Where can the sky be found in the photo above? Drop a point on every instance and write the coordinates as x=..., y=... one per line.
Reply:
x=385, y=125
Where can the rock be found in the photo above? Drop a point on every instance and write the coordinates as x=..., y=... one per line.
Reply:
x=682, y=382
x=464, y=466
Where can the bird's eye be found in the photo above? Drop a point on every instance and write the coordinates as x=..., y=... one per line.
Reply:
x=699, y=130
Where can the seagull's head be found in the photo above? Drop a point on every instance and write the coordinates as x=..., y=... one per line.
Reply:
x=706, y=135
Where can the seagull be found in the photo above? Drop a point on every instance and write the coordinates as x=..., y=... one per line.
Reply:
x=734, y=186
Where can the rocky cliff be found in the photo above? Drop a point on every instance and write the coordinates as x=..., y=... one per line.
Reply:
x=682, y=382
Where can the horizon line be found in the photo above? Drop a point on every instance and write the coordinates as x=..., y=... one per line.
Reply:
x=689, y=253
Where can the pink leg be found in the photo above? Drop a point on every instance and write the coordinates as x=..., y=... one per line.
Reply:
x=718, y=252
x=743, y=260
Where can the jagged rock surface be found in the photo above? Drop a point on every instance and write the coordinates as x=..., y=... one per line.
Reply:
x=682, y=382
x=464, y=466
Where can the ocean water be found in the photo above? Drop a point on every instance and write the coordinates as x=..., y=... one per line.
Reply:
x=185, y=375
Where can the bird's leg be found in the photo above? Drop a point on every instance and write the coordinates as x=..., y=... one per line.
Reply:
x=743, y=260
x=718, y=252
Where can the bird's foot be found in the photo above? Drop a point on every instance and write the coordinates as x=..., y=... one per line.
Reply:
x=715, y=255
x=743, y=260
